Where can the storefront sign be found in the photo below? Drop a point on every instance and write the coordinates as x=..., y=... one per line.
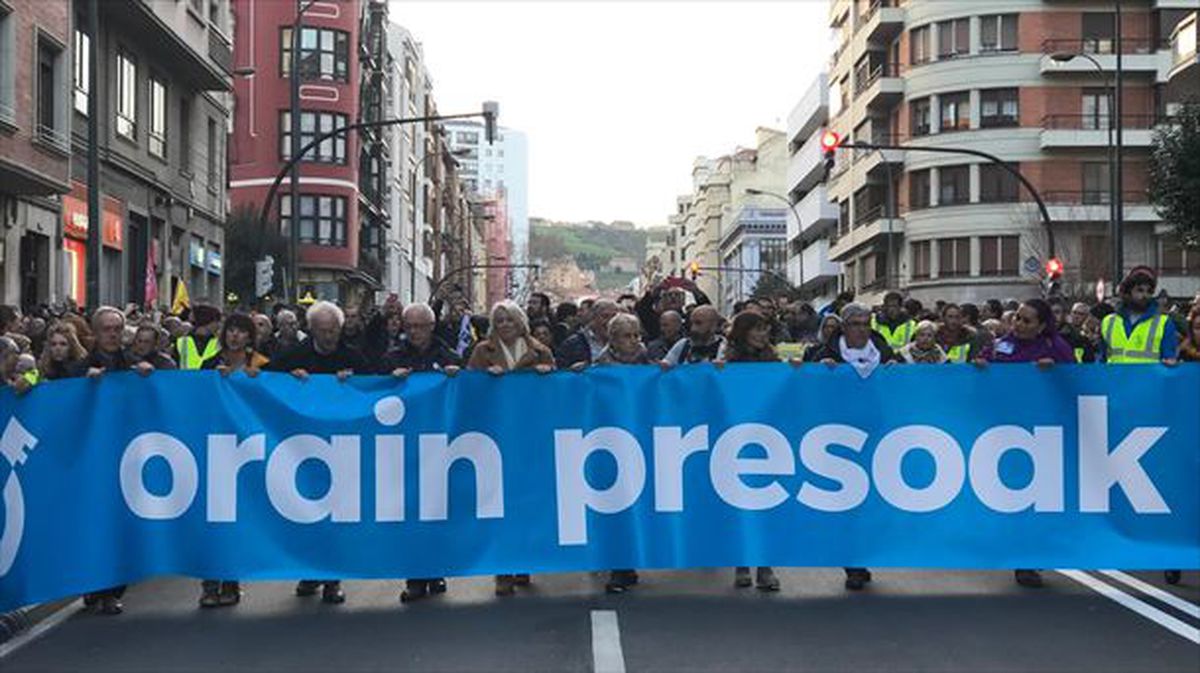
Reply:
x=75, y=217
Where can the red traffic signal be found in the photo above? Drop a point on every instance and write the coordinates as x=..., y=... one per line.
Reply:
x=1054, y=267
x=830, y=140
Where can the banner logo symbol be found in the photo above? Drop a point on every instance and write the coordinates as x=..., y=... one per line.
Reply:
x=15, y=444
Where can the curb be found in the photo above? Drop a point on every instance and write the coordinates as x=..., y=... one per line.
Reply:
x=22, y=623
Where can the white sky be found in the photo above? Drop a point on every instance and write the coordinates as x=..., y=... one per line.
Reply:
x=618, y=97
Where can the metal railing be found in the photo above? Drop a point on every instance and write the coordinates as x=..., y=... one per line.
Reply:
x=1092, y=197
x=1102, y=45
x=864, y=78
x=1097, y=122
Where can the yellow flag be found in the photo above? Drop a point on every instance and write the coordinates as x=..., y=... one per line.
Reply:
x=181, y=299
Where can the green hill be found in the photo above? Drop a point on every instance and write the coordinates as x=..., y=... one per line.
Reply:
x=594, y=246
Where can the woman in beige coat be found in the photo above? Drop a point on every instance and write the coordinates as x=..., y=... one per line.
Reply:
x=510, y=347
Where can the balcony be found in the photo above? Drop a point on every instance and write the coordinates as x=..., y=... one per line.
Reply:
x=817, y=213
x=870, y=162
x=807, y=167
x=1139, y=55
x=810, y=113
x=220, y=52
x=1184, y=77
x=869, y=226
x=1091, y=131
x=880, y=86
x=880, y=23
x=1092, y=205
x=818, y=266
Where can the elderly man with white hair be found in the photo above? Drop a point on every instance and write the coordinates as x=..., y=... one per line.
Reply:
x=287, y=331
x=322, y=353
x=420, y=351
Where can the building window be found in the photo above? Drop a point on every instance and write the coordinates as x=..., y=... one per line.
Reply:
x=1095, y=182
x=954, y=183
x=921, y=266
x=1098, y=31
x=324, y=54
x=214, y=154
x=954, y=257
x=921, y=119
x=919, y=45
x=1094, y=106
x=48, y=127
x=998, y=108
x=1095, y=262
x=158, y=118
x=8, y=60
x=322, y=219
x=954, y=38
x=1174, y=260
x=998, y=32
x=999, y=255
x=468, y=138
x=126, y=95
x=918, y=189
x=312, y=125
x=997, y=185
x=81, y=68
x=956, y=111
x=844, y=216
x=185, y=136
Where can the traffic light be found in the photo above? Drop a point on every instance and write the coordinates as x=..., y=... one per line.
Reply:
x=694, y=269
x=830, y=140
x=1054, y=268
x=491, y=110
x=1054, y=271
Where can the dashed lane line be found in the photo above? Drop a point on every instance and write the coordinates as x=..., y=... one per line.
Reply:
x=606, y=643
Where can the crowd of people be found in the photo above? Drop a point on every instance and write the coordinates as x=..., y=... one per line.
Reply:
x=672, y=324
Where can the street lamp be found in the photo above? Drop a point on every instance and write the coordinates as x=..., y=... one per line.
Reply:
x=294, y=113
x=759, y=192
x=1114, y=188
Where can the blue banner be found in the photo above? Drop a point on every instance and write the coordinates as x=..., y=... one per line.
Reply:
x=111, y=481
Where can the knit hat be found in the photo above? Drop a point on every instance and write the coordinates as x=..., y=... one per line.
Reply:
x=1139, y=275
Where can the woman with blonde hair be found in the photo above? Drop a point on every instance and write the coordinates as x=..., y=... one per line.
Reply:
x=509, y=347
x=924, y=348
x=63, y=356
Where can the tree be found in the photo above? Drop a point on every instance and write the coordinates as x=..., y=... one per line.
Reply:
x=1175, y=173
x=772, y=285
x=245, y=244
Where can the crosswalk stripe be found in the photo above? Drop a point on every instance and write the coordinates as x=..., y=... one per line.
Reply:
x=606, y=643
x=1142, y=608
x=1154, y=592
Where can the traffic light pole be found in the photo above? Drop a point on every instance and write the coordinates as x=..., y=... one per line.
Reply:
x=1046, y=221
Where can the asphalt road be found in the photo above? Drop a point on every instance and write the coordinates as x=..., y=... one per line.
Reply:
x=673, y=621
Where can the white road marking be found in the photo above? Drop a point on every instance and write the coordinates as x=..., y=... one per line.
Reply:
x=21, y=640
x=606, y=643
x=1144, y=609
x=1154, y=592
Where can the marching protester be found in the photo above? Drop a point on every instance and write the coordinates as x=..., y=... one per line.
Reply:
x=323, y=352
x=667, y=295
x=193, y=349
x=864, y=349
x=670, y=331
x=893, y=324
x=420, y=351
x=1034, y=338
x=703, y=343
x=264, y=334
x=924, y=348
x=583, y=347
x=63, y=357
x=750, y=341
x=238, y=339
x=1189, y=350
x=961, y=342
x=543, y=332
x=509, y=347
x=1138, y=332
x=288, y=334
x=146, y=347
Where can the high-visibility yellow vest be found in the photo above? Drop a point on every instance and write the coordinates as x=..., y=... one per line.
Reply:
x=1142, y=346
x=898, y=337
x=190, y=356
x=1079, y=355
x=958, y=354
x=32, y=377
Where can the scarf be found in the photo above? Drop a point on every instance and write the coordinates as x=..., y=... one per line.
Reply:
x=512, y=357
x=864, y=360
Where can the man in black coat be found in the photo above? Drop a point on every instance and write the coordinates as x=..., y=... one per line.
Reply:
x=420, y=351
x=324, y=352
